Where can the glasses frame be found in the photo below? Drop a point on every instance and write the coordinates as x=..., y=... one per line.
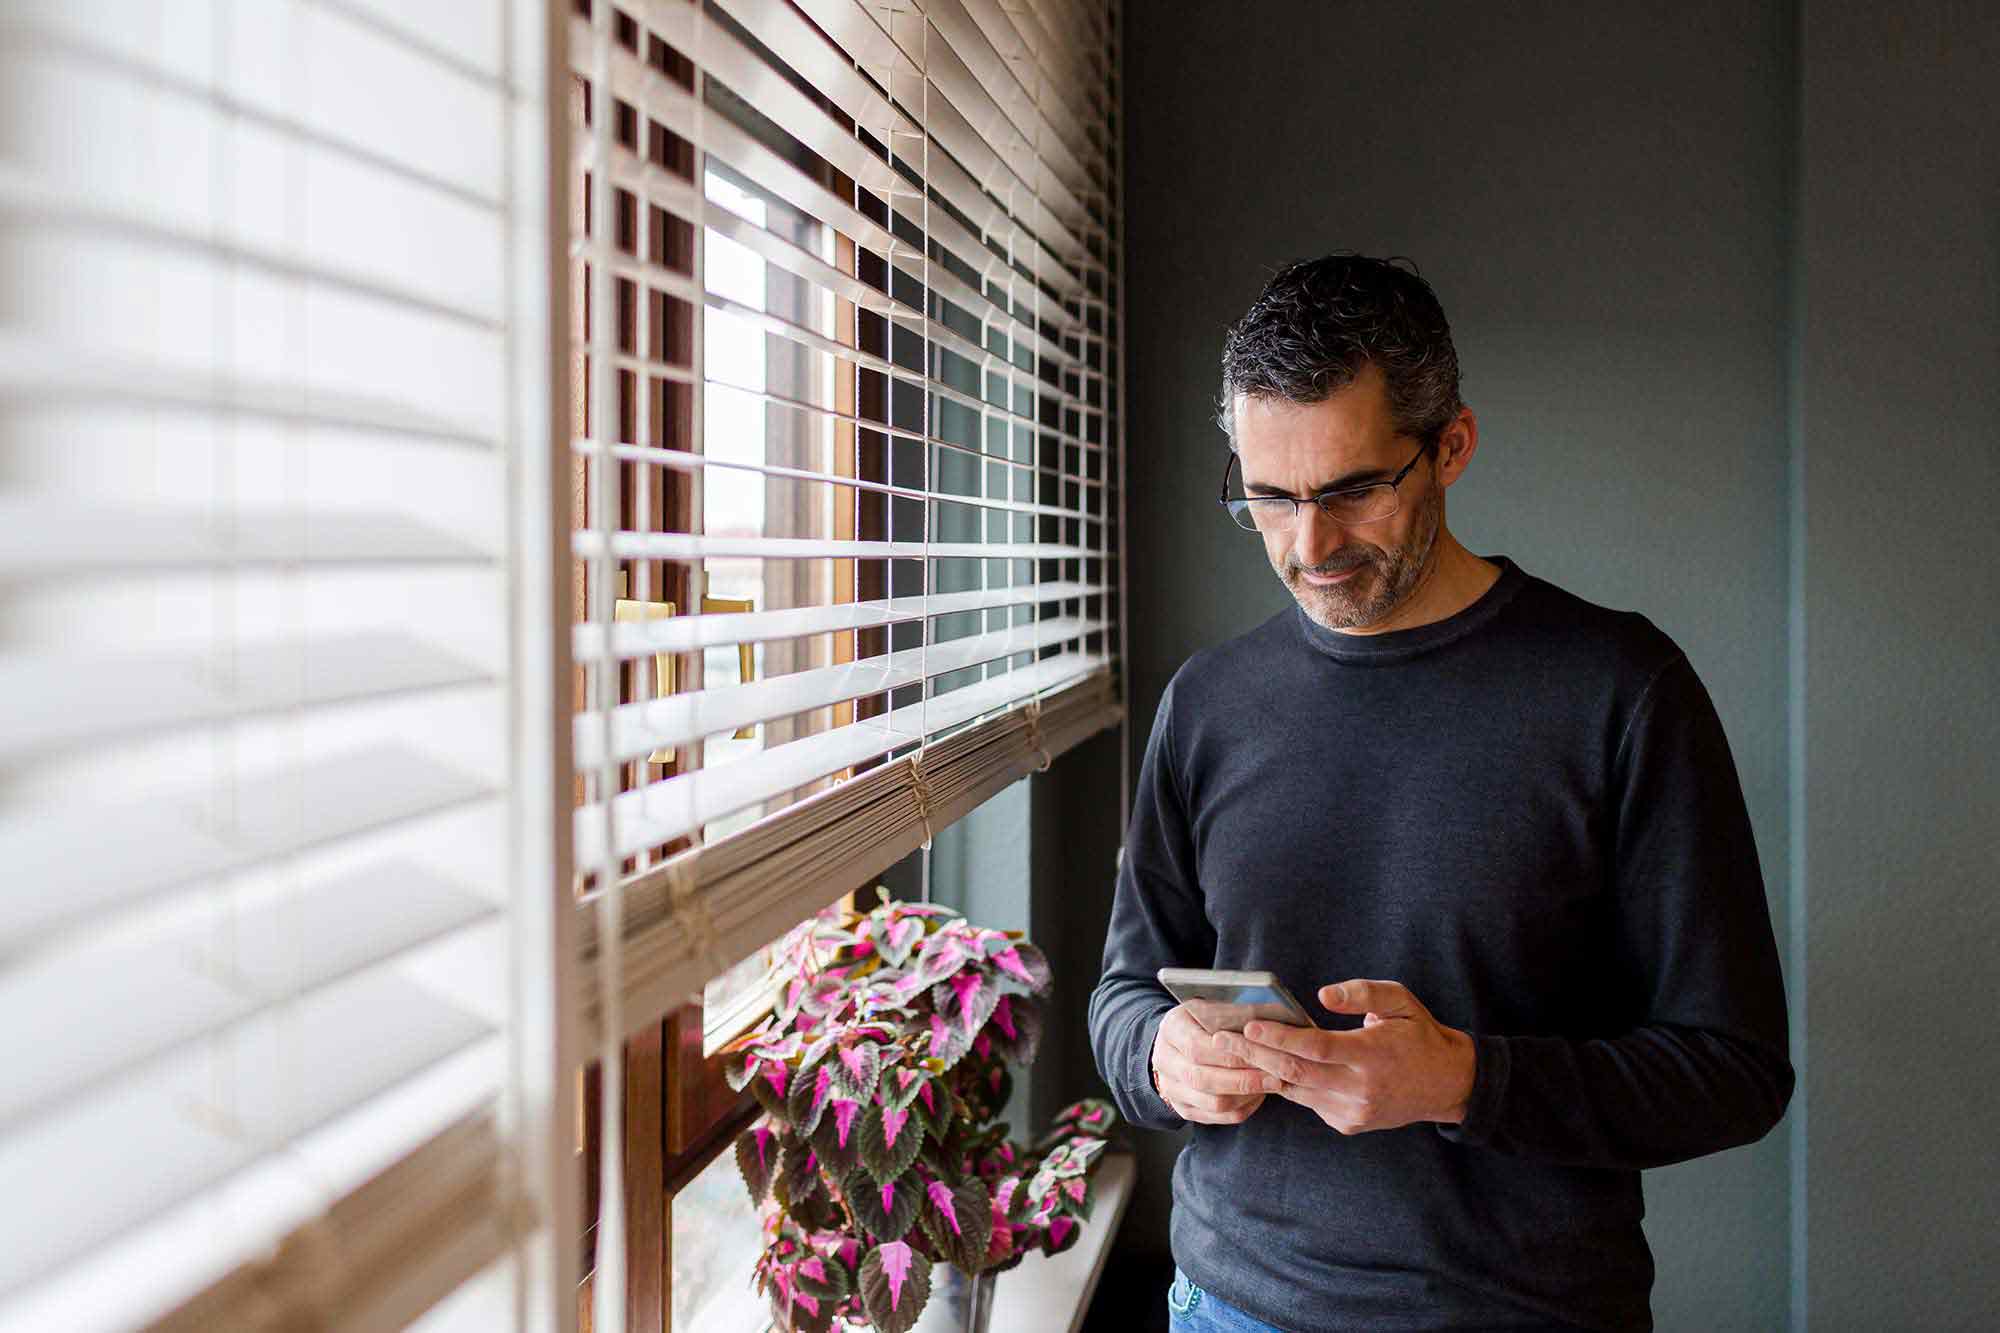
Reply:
x=1319, y=497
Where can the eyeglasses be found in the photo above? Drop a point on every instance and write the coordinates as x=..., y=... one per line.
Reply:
x=1347, y=506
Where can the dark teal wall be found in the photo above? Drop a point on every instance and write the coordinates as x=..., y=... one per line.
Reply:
x=1899, y=784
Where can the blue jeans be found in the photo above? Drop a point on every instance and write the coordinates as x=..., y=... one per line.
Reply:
x=1192, y=1310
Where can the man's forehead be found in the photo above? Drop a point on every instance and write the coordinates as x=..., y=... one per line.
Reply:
x=1296, y=447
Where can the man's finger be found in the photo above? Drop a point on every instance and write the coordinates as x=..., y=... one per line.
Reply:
x=1389, y=999
x=1337, y=1048
x=1214, y=1051
x=1302, y=1071
x=1200, y=1047
x=1179, y=1095
x=1186, y=1035
x=1240, y=1082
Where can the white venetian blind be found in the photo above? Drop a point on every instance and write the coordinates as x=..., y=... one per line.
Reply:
x=848, y=449
x=278, y=940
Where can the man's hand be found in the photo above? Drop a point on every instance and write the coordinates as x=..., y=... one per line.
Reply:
x=1201, y=1081
x=1400, y=1066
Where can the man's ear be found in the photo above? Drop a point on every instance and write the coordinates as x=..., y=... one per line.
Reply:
x=1456, y=446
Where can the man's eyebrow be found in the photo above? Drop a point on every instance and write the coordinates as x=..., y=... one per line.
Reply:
x=1361, y=478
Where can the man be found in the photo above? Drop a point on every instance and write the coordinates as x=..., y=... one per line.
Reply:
x=1494, y=831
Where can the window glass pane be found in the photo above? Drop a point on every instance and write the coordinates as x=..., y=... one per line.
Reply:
x=716, y=1240
x=743, y=363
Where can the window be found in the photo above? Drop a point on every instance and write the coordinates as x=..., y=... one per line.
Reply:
x=890, y=589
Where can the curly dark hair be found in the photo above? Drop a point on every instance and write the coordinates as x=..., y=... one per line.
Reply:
x=1319, y=321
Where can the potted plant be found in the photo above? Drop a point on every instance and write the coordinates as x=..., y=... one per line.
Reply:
x=879, y=1162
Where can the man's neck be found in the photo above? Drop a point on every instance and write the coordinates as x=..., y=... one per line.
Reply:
x=1454, y=580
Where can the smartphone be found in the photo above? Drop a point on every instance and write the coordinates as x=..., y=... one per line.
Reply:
x=1224, y=1001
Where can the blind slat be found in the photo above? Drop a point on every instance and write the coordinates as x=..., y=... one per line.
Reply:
x=686, y=546
x=680, y=460
x=91, y=697
x=43, y=536
x=655, y=815
x=637, y=729
x=174, y=1129
x=164, y=987
x=180, y=839
x=683, y=634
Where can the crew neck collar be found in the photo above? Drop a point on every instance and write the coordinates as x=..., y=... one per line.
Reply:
x=1397, y=645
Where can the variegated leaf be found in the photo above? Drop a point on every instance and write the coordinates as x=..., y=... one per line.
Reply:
x=889, y=1141
x=959, y=1220
x=798, y=1173
x=857, y=1067
x=943, y=954
x=820, y=1276
x=1018, y=1020
x=836, y=1141
x=769, y=1085
x=885, y=1209
x=948, y=1043
x=900, y=1085
x=757, y=1158
x=897, y=938
x=811, y=1090
x=895, y=1286
x=1023, y=968
x=1092, y=1115
x=966, y=998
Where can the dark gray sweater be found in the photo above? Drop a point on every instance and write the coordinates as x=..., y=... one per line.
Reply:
x=1529, y=815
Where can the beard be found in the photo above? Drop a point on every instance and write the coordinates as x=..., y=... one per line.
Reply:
x=1391, y=578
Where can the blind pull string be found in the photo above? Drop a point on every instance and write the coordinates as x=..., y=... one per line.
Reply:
x=920, y=788
x=1036, y=746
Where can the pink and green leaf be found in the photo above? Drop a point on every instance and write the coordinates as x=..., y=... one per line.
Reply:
x=885, y=1209
x=888, y=1144
x=895, y=1286
x=757, y=1159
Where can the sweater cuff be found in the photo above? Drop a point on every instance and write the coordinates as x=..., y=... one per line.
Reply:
x=1491, y=1068
x=1143, y=1092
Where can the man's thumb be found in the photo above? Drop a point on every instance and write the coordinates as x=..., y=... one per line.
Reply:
x=1388, y=998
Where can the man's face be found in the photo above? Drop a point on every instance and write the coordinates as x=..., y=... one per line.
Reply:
x=1344, y=578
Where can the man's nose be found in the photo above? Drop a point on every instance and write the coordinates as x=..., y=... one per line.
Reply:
x=1315, y=536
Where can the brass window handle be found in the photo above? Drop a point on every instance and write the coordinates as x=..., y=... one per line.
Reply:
x=665, y=680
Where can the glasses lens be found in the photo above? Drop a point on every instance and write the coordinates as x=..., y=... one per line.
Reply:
x=1361, y=505
x=1261, y=515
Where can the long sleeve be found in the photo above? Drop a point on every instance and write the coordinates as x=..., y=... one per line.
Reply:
x=1156, y=921
x=1708, y=1069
